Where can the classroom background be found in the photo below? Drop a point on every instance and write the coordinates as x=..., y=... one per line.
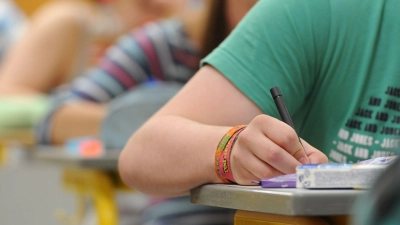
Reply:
x=33, y=191
x=46, y=185
x=30, y=192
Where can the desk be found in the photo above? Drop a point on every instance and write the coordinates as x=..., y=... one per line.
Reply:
x=60, y=156
x=22, y=136
x=257, y=205
x=96, y=178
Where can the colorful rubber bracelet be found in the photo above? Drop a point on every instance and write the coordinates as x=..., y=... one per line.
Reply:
x=225, y=162
x=221, y=146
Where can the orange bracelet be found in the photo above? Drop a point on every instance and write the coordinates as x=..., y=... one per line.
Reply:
x=222, y=155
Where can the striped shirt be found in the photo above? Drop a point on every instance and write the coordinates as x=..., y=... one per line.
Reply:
x=157, y=51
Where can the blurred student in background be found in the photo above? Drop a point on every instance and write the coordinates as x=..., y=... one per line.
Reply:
x=59, y=41
x=166, y=50
x=65, y=36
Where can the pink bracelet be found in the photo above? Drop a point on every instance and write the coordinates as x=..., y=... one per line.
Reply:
x=222, y=155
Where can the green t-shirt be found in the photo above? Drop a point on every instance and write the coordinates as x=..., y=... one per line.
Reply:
x=337, y=63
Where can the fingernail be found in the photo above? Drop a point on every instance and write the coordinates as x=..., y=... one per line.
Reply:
x=303, y=160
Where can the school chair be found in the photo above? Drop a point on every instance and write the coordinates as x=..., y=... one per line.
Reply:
x=125, y=115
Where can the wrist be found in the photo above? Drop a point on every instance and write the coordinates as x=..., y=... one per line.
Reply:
x=222, y=155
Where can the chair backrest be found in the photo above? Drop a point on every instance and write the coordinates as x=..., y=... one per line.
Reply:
x=129, y=111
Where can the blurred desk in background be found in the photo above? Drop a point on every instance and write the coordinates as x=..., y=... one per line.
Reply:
x=20, y=136
x=60, y=156
x=256, y=205
x=23, y=136
x=95, y=178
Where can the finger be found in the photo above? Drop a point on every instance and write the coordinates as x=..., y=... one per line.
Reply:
x=314, y=155
x=284, y=136
x=239, y=156
x=262, y=170
x=254, y=165
x=277, y=157
x=245, y=177
x=260, y=152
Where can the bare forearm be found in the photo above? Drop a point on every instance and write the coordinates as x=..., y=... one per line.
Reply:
x=77, y=120
x=179, y=156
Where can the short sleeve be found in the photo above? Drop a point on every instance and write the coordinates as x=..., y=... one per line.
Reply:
x=278, y=43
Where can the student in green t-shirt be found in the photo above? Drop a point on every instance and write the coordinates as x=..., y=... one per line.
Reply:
x=337, y=64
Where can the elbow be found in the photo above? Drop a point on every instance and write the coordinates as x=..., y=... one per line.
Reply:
x=144, y=169
x=134, y=170
x=129, y=168
x=125, y=169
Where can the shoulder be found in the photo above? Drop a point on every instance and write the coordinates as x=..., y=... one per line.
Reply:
x=293, y=9
x=161, y=29
x=168, y=32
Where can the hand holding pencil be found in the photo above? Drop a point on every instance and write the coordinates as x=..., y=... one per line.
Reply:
x=268, y=147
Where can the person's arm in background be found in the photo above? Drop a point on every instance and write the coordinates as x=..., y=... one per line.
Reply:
x=56, y=45
x=44, y=56
x=80, y=109
x=79, y=119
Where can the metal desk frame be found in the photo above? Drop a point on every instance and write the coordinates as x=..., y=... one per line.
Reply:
x=93, y=178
